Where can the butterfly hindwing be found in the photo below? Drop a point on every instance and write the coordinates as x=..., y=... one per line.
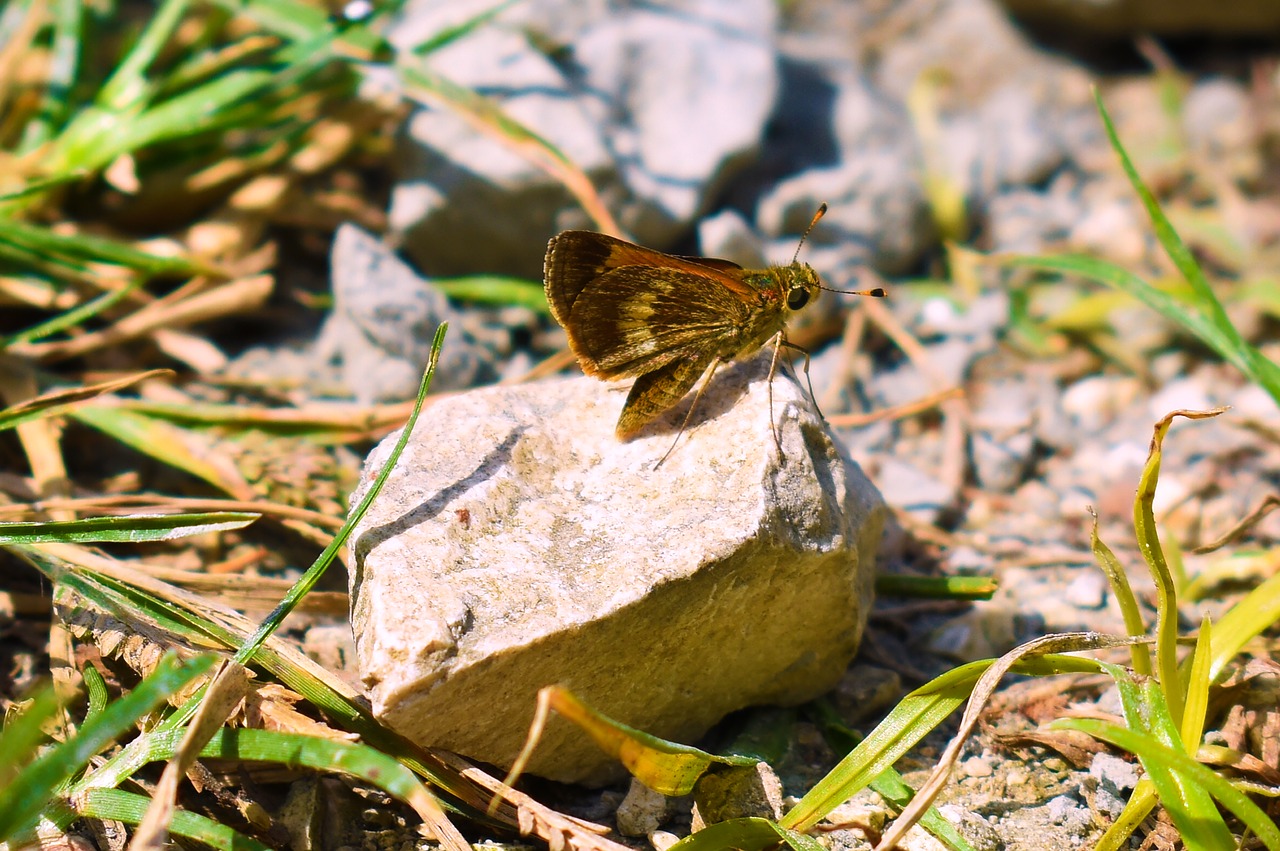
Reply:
x=658, y=391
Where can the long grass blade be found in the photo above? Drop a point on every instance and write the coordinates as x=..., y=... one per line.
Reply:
x=129, y=807
x=23, y=799
x=129, y=528
x=1153, y=753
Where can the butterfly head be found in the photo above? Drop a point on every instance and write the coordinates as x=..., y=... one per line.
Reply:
x=801, y=285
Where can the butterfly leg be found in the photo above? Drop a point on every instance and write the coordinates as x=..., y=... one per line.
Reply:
x=693, y=406
x=808, y=378
x=778, y=342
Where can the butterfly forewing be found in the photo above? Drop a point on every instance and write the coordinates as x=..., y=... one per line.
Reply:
x=575, y=258
x=606, y=285
x=638, y=327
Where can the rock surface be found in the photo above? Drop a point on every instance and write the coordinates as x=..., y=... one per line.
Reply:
x=659, y=104
x=520, y=544
x=383, y=320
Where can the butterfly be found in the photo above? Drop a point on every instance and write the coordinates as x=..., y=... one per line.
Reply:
x=667, y=320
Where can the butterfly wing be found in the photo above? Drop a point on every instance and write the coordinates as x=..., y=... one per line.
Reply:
x=633, y=320
x=657, y=391
x=629, y=310
x=577, y=257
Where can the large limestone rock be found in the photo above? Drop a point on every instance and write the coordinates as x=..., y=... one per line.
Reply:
x=519, y=544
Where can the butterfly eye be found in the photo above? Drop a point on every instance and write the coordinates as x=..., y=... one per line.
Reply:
x=797, y=298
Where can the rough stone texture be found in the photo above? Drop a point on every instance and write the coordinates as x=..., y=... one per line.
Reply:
x=466, y=200
x=383, y=320
x=660, y=104
x=737, y=792
x=642, y=812
x=878, y=213
x=686, y=90
x=520, y=544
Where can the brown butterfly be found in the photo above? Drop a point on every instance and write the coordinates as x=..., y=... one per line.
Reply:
x=632, y=311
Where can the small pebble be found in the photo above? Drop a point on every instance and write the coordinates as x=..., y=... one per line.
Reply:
x=661, y=840
x=642, y=811
x=1112, y=771
x=1088, y=590
x=1070, y=813
x=977, y=767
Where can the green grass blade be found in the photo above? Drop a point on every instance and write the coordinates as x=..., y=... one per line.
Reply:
x=38, y=186
x=96, y=686
x=292, y=671
x=353, y=759
x=1135, y=812
x=889, y=785
x=1243, y=356
x=288, y=19
x=119, y=805
x=1154, y=753
x=97, y=136
x=1144, y=526
x=128, y=85
x=496, y=290
x=56, y=402
x=898, y=794
x=301, y=21
x=448, y=35
x=74, y=317
x=667, y=767
x=321, y=564
x=1196, y=684
x=64, y=56
x=129, y=528
x=1174, y=247
x=1244, y=621
x=161, y=617
x=71, y=249
x=1123, y=591
x=936, y=587
x=22, y=734
x=1161, y=302
x=1188, y=804
x=243, y=97
x=911, y=720
x=23, y=799
x=183, y=449
x=1148, y=715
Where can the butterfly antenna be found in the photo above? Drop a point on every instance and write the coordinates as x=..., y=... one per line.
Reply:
x=822, y=211
x=874, y=292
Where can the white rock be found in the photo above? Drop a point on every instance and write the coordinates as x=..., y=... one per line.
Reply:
x=642, y=812
x=384, y=316
x=876, y=206
x=466, y=200
x=520, y=544
x=1087, y=591
x=660, y=104
x=688, y=88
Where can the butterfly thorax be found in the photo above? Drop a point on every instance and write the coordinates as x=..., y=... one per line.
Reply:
x=780, y=292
